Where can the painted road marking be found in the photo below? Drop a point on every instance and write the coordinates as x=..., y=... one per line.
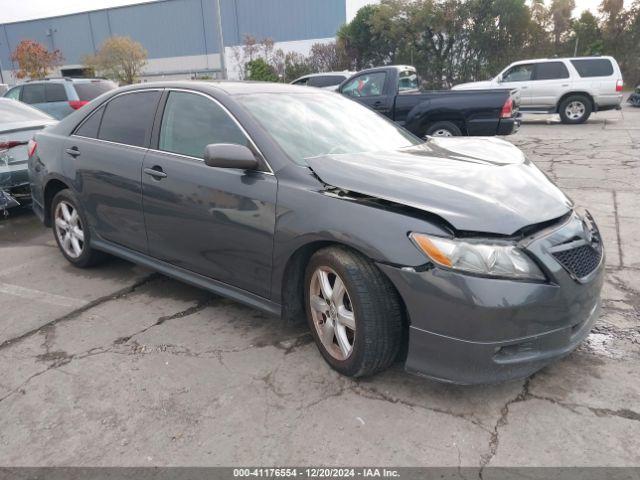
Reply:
x=40, y=296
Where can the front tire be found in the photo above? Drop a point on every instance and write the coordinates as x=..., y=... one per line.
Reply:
x=354, y=313
x=70, y=229
x=575, y=109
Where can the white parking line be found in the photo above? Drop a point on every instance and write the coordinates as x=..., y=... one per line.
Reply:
x=39, y=296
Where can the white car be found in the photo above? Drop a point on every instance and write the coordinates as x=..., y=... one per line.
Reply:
x=571, y=87
x=327, y=80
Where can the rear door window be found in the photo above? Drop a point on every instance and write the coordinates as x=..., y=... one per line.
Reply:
x=33, y=93
x=593, y=67
x=128, y=118
x=190, y=122
x=302, y=81
x=551, y=71
x=87, y=91
x=55, y=92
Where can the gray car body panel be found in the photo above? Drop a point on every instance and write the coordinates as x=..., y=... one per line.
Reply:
x=241, y=247
x=499, y=192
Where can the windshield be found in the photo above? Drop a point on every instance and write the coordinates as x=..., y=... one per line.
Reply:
x=309, y=125
x=12, y=111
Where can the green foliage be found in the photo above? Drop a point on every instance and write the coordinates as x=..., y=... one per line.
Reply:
x=259, y=70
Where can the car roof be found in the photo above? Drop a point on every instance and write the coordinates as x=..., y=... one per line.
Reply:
x=66, y=79
x=344, y=73
x=558, y=59
x=226, y=86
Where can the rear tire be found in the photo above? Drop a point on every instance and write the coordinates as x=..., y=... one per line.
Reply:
x=358, y=329
x=575, y=109
x=443, y=129
x=70, y=229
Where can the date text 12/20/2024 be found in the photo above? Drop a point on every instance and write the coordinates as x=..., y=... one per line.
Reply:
x=315, y=473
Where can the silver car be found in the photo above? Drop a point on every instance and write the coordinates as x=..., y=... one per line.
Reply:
x=18, y=124
x=571, y=87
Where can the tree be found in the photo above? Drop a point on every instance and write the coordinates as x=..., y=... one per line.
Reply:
x=119, y=58
x=328, y=57
x=586, y=36
x=561, y=11
x=260, y=70
x=34, y=60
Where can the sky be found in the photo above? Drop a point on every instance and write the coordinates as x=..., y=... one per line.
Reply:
x=17, y=10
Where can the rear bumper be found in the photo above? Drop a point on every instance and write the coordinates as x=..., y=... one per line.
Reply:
x=490, y=127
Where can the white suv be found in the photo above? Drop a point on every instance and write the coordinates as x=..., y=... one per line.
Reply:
x=572, y=87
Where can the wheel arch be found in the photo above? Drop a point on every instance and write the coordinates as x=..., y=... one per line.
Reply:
x=51, y=188
x=292, y=284
x=579, y=92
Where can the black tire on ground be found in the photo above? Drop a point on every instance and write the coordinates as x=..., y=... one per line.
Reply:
x=576, y=100
x=89, y=257
x=439, y=128
x=377, y=311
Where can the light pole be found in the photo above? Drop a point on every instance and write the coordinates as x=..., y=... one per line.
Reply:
x=223, y=66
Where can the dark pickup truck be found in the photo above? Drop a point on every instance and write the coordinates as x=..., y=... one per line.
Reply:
x=394, y=92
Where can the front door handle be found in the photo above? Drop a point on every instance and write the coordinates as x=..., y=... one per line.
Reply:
x=73, y=151
x=156, y=172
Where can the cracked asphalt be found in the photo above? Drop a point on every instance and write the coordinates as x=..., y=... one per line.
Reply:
x=121, y=366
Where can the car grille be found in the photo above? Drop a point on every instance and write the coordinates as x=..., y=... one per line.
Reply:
x=580, y=261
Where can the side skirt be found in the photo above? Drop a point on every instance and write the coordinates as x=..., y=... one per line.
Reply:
x=190, y=277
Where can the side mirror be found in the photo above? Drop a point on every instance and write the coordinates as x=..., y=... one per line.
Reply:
x=228, y=155
x=499, y=79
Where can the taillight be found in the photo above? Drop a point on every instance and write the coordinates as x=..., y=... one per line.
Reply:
x=31, y=147
x=619, y=85
x=10, y=144
x=507, y=109
x=76, y=104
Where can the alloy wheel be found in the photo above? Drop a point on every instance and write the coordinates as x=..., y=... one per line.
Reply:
x=332, y=313
x=69, y=229
x=575, y=110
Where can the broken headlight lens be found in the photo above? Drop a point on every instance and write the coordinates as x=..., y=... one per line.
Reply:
x=480, y=258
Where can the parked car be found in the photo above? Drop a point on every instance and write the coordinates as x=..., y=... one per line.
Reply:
x=394, y=92
x=634, y=98
x=328, y=80
x=18, y=123
x=60, y=96
x=301, y=202
x=571, y=87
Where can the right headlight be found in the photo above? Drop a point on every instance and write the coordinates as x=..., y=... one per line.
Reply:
x=480, y=258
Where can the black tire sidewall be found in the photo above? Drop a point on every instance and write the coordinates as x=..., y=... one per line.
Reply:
x=87, y=258
x=329, y=258
x=575, y=98
x=449, y=126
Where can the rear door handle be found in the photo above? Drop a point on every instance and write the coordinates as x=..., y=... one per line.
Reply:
x=156, y=172
x=73, y=151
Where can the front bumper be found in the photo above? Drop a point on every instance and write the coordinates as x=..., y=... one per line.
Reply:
x=467, y=329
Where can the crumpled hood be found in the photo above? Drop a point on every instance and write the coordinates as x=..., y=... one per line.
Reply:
x=476, y=184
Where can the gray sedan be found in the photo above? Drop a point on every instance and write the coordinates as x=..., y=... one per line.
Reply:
x=456, y=256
